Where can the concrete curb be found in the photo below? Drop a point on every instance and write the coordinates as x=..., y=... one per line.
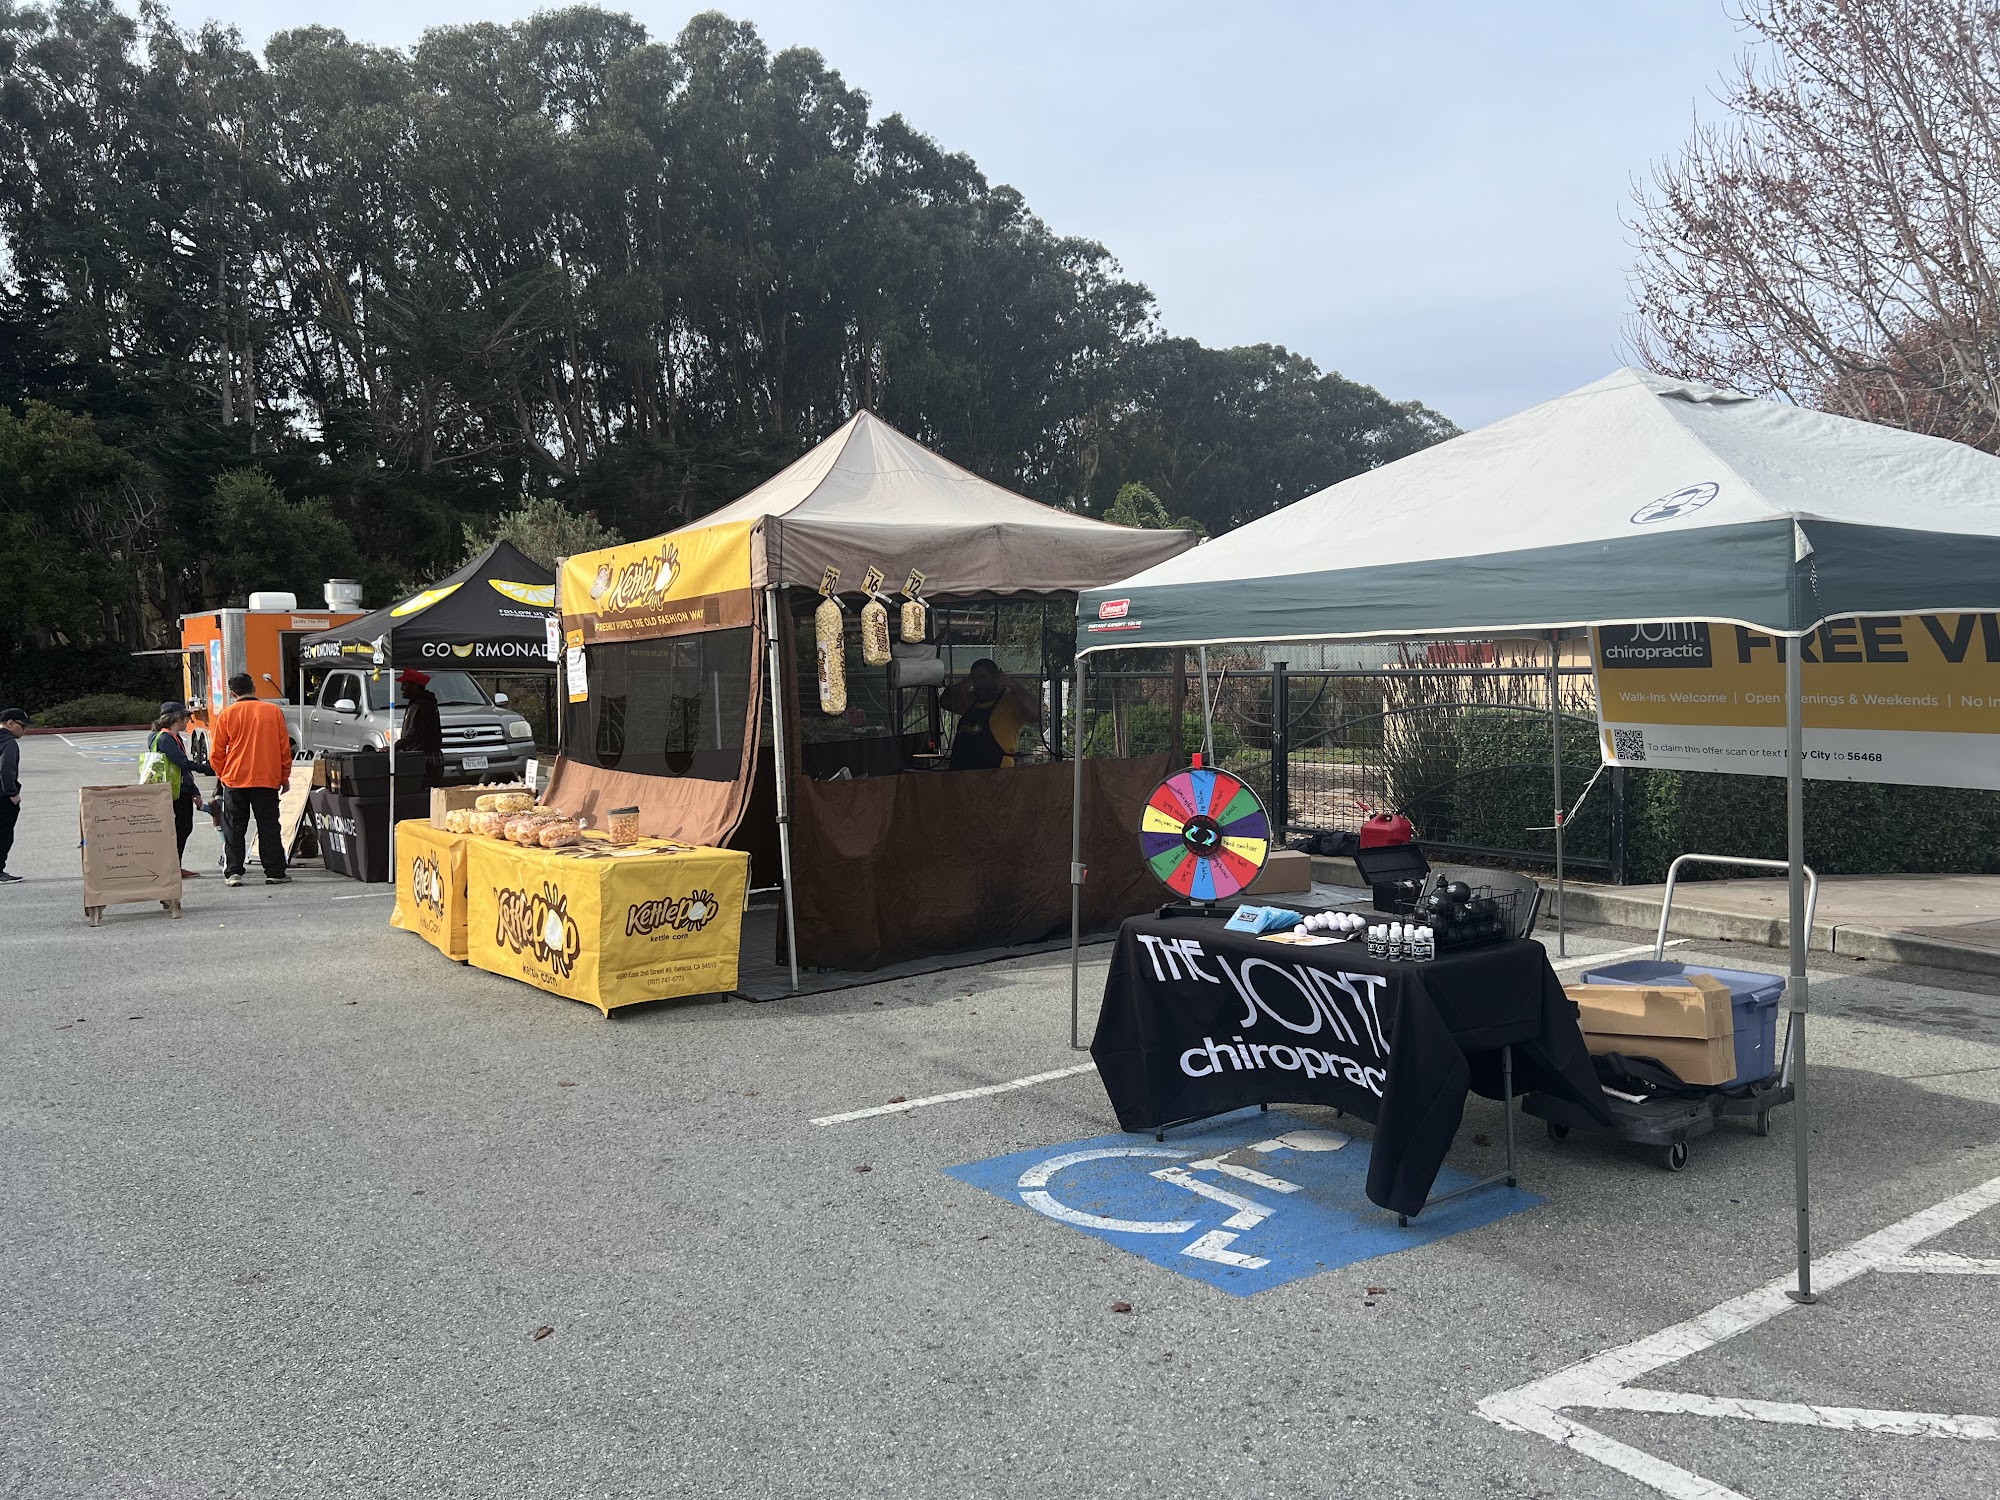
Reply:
x=34, y=730
x=1611, y=907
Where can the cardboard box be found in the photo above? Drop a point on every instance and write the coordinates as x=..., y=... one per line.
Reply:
x=1690, y=1027
x=1284, y=870
x=446, y=799
x=1700, y=1060
x=128, y=847
x=1697, y=1009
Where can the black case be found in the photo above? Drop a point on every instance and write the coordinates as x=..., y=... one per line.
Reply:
x=1397, y=873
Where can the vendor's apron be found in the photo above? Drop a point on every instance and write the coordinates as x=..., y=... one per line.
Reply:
x=973, y=748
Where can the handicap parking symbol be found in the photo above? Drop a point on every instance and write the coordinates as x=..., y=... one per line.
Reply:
x=1245, y=1202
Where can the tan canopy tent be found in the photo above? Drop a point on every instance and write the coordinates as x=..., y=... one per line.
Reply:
x=670, y=657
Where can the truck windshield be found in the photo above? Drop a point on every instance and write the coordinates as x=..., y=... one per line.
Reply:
x=456, y=687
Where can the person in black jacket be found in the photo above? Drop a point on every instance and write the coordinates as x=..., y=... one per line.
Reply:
x=13, y=724
x=422, y=731
x=166, y=740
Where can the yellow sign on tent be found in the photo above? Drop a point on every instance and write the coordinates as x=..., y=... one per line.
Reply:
x=1909, y=699
x=668, y=585
x=606, y=925
x=430, y=885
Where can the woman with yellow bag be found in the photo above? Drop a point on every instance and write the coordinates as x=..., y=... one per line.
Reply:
x=166, y=759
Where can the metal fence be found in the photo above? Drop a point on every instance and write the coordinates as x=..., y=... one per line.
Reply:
x=1459, y=740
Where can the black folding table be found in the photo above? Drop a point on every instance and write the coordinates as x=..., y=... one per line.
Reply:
x=1198, y=1021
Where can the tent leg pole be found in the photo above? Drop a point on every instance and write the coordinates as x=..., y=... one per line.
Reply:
x=780, y=772
x=1556, y=776
x=1207, y=715
x=1801, y=935
x=393, y=737
x=1076, y=865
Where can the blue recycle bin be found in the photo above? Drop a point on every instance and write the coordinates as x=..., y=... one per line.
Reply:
x=1753, y=998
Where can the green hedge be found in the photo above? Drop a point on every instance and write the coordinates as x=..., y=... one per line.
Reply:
x=38, y=678
x=1147, y=726
x=1501, y=789
x=1852, y=828
x=99, y=708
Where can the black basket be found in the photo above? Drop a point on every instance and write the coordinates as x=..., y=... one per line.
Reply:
x=1492, y=916
x=365, y=773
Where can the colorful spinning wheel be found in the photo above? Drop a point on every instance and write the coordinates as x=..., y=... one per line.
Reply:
x=1204, y=834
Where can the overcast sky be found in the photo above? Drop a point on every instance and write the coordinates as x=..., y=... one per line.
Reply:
x=1424, y=196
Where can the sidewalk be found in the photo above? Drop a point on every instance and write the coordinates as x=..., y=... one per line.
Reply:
x=1944, y=921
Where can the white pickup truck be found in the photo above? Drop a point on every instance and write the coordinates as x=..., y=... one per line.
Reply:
x=483, y=741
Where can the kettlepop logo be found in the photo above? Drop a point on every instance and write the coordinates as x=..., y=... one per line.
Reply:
x=537, y=925
x=671, y=915
x=427, y=884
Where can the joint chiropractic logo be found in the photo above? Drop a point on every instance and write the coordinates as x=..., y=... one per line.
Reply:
x=1340, y=1009
x=670, y=914
x=1668, y=644
x=427, y=884
x=538, y=925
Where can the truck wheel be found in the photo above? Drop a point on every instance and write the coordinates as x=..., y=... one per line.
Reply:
x=1558, y=1132
x=1675, y=1157
x=1763, y=1122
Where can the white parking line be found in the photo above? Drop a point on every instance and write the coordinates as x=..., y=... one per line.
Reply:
x=1028, y=1082
x=952, y=1098
x=1604, y=1382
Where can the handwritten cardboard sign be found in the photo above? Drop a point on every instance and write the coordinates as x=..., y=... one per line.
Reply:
x=129, y=852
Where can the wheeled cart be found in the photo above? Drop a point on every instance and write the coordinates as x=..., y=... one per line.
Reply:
x=1666, y=1122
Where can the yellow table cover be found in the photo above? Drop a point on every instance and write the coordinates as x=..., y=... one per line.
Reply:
x=430, y=885
x=606, y=924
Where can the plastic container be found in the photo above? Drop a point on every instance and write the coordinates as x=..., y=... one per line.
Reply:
x=622, y=823
x=1385, y=830
x=1753, y=998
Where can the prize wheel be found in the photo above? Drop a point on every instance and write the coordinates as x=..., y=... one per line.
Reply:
x=1204, y=833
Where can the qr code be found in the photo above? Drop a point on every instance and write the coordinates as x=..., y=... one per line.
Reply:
x=1628, y=745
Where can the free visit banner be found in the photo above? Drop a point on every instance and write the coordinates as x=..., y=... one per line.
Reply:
x=1911, y=699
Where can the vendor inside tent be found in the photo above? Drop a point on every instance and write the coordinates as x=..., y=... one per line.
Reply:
x=786, y=675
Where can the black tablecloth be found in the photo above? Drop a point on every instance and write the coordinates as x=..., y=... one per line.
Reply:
x=1197, y=1021
x=354, y=831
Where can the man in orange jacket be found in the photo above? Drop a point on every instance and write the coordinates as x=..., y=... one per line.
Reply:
x=250, y=747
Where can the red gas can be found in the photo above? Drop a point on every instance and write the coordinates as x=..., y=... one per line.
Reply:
x=1384, y=829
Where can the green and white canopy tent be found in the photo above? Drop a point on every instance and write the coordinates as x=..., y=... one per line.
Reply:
x=1635, y=499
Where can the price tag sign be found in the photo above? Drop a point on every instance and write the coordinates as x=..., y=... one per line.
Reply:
x=913, y=583
x=871, y=580
x=826, y=583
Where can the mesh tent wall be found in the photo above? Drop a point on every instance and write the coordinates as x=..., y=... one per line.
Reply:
x=1633, y=500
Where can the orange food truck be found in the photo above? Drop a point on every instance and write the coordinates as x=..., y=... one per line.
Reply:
x=262, y=640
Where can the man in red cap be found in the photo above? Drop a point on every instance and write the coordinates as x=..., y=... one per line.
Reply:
x=422, y=731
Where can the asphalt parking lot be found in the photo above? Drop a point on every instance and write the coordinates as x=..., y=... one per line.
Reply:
x=289, y=1198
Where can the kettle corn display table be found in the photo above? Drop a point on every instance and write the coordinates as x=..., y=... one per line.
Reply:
x=606, y=924
x=430, y=885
